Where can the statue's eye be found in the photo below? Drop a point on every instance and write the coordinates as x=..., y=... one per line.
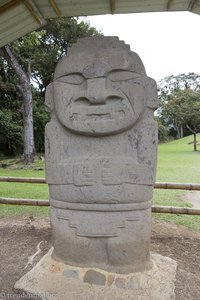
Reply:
x=72, y=79
x=123, y=76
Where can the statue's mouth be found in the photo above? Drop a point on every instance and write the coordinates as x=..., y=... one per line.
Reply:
x=99, y=119
x=95, y=113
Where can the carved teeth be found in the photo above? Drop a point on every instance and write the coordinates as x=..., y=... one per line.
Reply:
x=95, y=117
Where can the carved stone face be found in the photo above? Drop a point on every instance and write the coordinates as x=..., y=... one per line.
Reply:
x=99, y=97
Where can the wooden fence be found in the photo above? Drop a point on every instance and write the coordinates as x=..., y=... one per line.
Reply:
x=155, y=209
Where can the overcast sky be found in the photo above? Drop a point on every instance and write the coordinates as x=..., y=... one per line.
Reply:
x=168, y=43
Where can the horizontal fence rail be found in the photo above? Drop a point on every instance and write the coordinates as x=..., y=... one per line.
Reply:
x=31, y=202
x=177, y=186
x=22, y=179
x=175, y=210
x=155, y=209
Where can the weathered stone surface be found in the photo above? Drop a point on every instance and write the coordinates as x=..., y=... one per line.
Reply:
x=154, y=284
x=120, y=283
x=100, y=156
x=94, y=277
x=71, y=274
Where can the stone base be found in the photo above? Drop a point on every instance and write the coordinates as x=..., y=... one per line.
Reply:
x=52, y=280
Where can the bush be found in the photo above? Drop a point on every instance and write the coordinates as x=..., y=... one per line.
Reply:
x=11, y=141
x=163, y=133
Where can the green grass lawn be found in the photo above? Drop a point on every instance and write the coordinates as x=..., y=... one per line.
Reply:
x=23, y=190
x=177, y=162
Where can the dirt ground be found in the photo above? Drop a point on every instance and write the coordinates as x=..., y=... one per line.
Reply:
x=22, y=237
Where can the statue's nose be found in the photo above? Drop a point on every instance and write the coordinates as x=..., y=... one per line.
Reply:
x=96, y=90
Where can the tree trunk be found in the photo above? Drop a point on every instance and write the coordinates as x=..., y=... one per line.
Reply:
x=181, y=131
x=195, y=141
x=28, y=137
x=178, y=132
x=194, y=131
x=25, y=89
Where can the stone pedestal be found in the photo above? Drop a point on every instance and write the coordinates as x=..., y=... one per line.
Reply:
x=53, y=280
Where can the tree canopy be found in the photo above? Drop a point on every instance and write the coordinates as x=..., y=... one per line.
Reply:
x=173, y=83
x=180, y=103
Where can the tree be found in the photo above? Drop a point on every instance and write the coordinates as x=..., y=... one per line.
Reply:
x=24, y=87
x=163, y=131
x=183, y=110
x=33, y=58
x=166, y=89
x=179, y=82
x=10, y=112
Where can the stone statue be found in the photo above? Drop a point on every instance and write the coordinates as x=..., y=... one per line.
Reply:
x=100, y=156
